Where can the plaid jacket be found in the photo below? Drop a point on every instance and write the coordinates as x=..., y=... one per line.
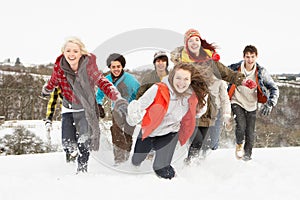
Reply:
x=96, y=78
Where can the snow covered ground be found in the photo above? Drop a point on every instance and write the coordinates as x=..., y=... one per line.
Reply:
x=272, y=174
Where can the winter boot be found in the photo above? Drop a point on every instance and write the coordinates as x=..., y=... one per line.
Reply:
x=247, y=155
x=166, y=172
x=205, y=153
x=193, y=153
x=247, y=158
x=82, y=168
x=205, y=150
x=239, y=151
x=120, y=155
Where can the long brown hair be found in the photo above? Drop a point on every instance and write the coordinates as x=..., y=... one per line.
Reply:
x=203, y=56
x=198, y=81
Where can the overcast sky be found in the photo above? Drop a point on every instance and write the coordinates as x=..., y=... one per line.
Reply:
x=35, y=30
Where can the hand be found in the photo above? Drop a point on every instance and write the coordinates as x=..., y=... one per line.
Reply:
x=101, y=111
x=135, y=114
x=120, y=112
x=249, y=83
x=215, y=57
x=228, y=124
x=45, y=92
x=266, y=109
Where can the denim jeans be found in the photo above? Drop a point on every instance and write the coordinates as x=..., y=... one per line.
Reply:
x=76, y=134
x=245, y=126
x=215, y=132
x=199, y=137
x=163, y=145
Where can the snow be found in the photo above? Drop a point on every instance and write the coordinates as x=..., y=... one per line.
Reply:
x=272, y=174
x=294, y=84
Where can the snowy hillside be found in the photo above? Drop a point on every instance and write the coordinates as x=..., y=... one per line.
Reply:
x=272, y=174
x=35, y=126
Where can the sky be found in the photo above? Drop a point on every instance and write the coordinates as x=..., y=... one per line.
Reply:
x=35, y=30
x=272, y=174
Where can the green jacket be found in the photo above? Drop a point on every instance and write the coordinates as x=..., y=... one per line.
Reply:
x=148, y=80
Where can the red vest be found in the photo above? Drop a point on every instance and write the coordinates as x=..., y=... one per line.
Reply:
x=157, y=110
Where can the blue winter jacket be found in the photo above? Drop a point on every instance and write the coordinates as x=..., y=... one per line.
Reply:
x=266, y=87
x=127, y=85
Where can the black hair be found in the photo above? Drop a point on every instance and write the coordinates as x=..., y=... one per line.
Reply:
x=115, y=57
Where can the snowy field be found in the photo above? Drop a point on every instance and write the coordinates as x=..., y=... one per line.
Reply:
x=272, y=174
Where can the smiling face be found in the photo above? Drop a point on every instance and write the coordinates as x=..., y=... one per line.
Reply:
x=115, y=68
x=182, y=80
x=72, y=54
x=249, y=60
x=160, y=65
x=194, y=44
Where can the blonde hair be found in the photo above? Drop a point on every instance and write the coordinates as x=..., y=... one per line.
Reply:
x=77, y=41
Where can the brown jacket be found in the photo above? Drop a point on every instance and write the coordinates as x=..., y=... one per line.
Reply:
x=213, y=69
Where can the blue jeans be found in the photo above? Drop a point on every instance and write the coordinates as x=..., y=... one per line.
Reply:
x=215, y=132
x=76, y=134
x=245, y=126
x=163, y=145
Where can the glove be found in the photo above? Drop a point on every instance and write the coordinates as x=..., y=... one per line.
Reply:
x=120, y=112
x=48, y=124
x=45, y=92
x=267, y=108
x=215, y=57
x=227, y=120
x=135, y=114
x=249, y=83
x=101, y=111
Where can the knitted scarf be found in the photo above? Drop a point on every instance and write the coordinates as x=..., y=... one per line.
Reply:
x=85, y=93
x=185, y=57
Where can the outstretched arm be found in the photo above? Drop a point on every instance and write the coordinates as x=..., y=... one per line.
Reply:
x=226, y=74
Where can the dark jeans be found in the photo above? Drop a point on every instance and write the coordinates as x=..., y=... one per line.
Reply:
x=199, y=136
x=76, y=134
x=163, y=145
x=245, y=126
